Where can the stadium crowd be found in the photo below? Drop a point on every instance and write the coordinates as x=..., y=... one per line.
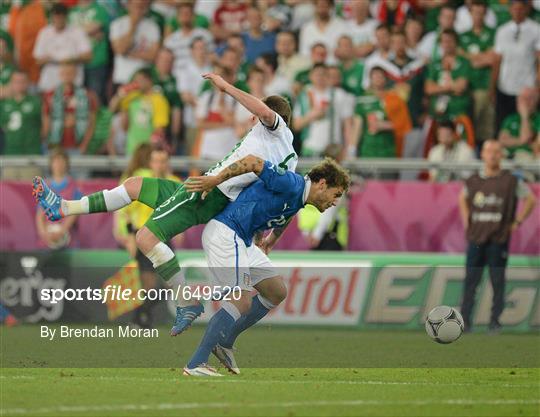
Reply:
x=385, y=78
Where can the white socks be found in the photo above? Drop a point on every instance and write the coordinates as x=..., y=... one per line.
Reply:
x=102, y=201
x=74, y=207
x=116, y=198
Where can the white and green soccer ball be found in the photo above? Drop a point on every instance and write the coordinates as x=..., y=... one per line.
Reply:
x=444, y=324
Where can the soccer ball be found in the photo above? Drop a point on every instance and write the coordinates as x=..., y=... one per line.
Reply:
x=444, y=324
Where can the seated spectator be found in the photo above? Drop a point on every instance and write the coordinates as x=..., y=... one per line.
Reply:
x=477, y=46
x=57, y=235
x=134, y=40
x=325, y=28
x=180, y=40
x=362, y=29
x=450, y=148
x=429, y=48
x=520, y=130
x=319, y=54
x=274, y=83
x=448, y=81
x=215, y=120
x=381, y=52
x=381, y=117
x=256, y=40
x=352, y=69
x=6, y=63
x=322, y=114
x=290, y=62
x=94, y=20
x=146, y=111
x=277, y=15
x=26, y=20
x=58, y=43
x=189, y=86
x=20, y=118
x=243, y=118
x=166, y=83
x=69, y=113
x=229, y=18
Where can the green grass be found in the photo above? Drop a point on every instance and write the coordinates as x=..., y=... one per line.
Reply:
x=285, y=371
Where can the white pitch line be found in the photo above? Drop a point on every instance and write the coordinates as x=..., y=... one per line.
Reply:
x=288, y=404
x=276, y=381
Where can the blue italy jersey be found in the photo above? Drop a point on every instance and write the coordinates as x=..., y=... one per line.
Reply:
x=267, y=203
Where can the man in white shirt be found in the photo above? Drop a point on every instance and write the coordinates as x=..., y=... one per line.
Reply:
x=450, y=148
x=135, y=41
x=380, y=54
x=275, y=84
x=323, y=114
x=362, y=28
x=179, y=41
x=58, y=43
x=290, y=62
x=429, y=48
x=325, y=29
x=517, y=44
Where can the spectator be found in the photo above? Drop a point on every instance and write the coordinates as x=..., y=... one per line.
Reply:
x=146, y=111
x=25, y=23
x=319, y=54
x=290, y=62
x=413, y=34
x=57, y=235
x=477, y=47
x=380, y=116
x=243, y=118
x=6, y=63
x=517, y=44
x=274, y=83
x=382, y=49
x=352, y=69
x=179, y=41
x=58, y=43
x=429, y=47
x=487, y=206
x=464, y=17
x=215, y=119
x=448, y=80
x=172, y=24
x=233, y=60
x=149, y=163
x=69, y=113
x=392, y=12
x=322, y=114
x=256, y=40
x=166, y=83
x=135, y=42
x=229, y=18
x=324, y=28
x=93, y=19
x=450, y=148
x=20, y=118
x=432, y=11
x=362, y=29
x=277, y=16
x=189, y=86
x=519, y=130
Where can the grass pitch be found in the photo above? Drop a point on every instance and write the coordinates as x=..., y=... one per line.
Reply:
x=317, y=372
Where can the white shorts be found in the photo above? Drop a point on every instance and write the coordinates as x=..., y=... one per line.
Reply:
x=231, y=263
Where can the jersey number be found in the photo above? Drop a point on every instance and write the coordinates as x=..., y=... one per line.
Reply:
x=280, y=221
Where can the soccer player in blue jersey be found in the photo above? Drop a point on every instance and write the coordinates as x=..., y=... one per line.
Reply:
x=235, y=261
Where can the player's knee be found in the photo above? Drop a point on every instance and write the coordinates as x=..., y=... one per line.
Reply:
x=278, y=293
x=244, y=303
x=133, y=187
x=145, y=240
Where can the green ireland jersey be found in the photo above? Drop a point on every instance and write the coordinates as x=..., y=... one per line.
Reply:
x=512, y=125
x=374, y=145
x=472, y=43
x=21, y=123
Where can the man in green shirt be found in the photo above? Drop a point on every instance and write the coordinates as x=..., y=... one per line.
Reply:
x=352, y=69
x=477, y=46
x=166, y=83
x=6, y=61
x=448, y=80
x=319, y=53
x=93, y=19
x=20, y=118
x=519, y=130
x=376, y=130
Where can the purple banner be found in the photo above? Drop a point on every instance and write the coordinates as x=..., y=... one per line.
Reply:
x=384, y=217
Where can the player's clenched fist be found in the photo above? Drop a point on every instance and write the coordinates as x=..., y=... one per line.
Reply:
x=217, y=80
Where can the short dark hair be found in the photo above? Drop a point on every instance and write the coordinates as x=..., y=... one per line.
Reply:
x=317, y=66
x=384, y=26
x=58, y=152
x=196, y=39
x=334, y=174
x=271, y=60
x=446, y=124
x=145, y=72
x=479, y=3
x=452, y=33
x=317, y=45
x=281, y=106
x=59, y=9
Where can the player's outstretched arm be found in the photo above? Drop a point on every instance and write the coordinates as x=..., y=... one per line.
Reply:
x=249, y=163
x=253, y=104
